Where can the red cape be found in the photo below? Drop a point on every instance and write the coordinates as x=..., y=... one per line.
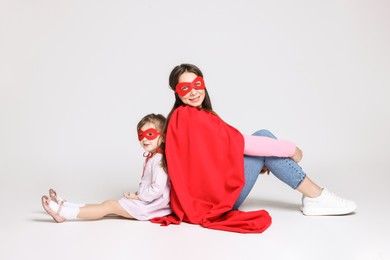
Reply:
x=206, y=168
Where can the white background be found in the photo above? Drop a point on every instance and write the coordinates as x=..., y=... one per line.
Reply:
x=77, y=76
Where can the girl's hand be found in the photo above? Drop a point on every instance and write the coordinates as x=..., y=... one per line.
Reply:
x=297, y=157
x=130, y=195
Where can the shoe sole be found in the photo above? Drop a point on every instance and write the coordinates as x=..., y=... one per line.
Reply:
x=327, y=212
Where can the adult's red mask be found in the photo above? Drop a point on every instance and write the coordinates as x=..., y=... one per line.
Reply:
x=183, y=88
x=149, y=134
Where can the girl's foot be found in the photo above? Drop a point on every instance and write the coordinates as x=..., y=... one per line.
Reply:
x=57, y=199
x=54, y=197
x=55, y=214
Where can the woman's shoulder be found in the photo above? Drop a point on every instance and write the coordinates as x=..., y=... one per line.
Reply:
x=184, y=108
x=193, y=111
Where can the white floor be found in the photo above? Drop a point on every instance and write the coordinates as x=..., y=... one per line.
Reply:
x=27, y=232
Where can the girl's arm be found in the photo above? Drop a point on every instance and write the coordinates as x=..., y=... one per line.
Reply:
x=156, y=188
x=266, y=146
x=131, y=195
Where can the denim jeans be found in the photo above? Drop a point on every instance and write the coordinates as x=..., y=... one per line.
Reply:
x=285, y=169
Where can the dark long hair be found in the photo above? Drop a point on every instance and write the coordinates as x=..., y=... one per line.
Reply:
x=173, y=80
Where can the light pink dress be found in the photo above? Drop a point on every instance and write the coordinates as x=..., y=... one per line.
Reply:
x=153, y=192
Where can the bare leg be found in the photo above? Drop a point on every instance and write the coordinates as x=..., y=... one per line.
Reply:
x=309, y=189
x=98, y=211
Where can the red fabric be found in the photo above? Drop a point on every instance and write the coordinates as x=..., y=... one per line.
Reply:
x=206, y=168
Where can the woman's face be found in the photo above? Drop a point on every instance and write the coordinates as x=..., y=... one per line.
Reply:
x=195, y=97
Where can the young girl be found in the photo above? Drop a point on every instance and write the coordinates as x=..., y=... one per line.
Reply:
x=152, y=198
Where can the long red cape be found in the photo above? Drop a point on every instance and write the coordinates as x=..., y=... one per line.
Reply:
x=206, y=168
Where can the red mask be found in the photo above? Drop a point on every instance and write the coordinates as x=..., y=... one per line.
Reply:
x=150, y=134
x=183, y=88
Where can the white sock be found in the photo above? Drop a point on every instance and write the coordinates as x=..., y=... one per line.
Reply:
x=66, y=212
x=70, y=204
x=73, y=205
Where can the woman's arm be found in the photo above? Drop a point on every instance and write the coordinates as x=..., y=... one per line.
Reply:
x=297, y=157
x=266, y=146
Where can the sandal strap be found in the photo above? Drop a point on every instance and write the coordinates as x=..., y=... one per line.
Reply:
x=60, y=208
x=53, y=197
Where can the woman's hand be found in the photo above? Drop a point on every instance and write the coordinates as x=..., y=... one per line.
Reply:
x=130, y=195
x=297, y=157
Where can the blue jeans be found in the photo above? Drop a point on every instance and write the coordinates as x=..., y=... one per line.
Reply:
x=285, y=169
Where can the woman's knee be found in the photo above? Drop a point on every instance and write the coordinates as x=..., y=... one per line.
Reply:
x=264, y=132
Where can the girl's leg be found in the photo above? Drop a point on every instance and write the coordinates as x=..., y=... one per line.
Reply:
x=57, y=199
x=54, y=197
x=92, y=212
x=61, y=213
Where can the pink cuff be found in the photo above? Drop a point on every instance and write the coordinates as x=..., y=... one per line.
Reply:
x=266, y=146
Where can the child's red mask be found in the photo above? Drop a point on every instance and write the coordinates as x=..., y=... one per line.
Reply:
x=149, y=134
x=183, y=88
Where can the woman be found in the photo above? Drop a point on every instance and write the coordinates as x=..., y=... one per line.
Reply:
x=210, y=143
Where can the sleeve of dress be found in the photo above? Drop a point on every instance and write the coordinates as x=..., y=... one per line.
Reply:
x=158, y=184
x=266, y=146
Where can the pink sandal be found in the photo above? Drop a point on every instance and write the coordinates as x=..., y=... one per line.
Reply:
x=53, y=197
x=55, y=215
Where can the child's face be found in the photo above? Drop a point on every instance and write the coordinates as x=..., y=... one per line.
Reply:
x=150, y=145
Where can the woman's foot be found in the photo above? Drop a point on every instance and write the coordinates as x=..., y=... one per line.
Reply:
x=327, y=204
x=52, y=209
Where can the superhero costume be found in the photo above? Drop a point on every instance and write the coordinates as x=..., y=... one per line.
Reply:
x=206, y=169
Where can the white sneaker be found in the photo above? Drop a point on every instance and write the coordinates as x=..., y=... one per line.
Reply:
x=327, y=204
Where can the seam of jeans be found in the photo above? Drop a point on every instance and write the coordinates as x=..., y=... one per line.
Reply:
x=300, y=172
